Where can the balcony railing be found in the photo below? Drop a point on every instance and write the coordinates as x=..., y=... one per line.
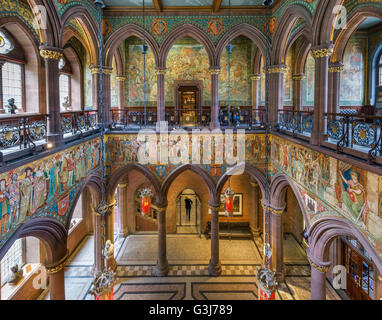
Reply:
x=78, y=121
x=296, y=123
x=355, y=134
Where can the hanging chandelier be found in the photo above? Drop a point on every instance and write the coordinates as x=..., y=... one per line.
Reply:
x=228, y=200
x=146, y=201
x=104, y=281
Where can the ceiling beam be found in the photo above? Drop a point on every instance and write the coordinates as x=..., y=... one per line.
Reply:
x=158, y=5
x=216, y=5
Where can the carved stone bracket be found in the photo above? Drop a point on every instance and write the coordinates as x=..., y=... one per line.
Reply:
x=319, y=268
x=322, y=53
x=276, y=211
x=51, y=54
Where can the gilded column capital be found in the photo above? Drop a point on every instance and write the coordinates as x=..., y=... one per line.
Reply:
x=336, y=67
x=104, y=208
x=298, y=77
x=276, y=211
x=318, y=267
x=122, y=185
x=254, y=184
x=255, y=77
x=120, y=78
x=277, y=69
x=58, y=266
x=52, y=54
x=105, y=70
x=323, y=52
x=214, y=71
x=160, y=71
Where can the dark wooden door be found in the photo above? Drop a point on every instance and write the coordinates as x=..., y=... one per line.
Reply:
x=360, y=274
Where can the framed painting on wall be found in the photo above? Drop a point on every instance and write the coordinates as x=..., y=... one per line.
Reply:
x=237, y=205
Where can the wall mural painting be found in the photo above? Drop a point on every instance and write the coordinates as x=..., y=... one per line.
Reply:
x=308, y=82
x=288, y=80
x=88, y=88
x=352, y=77
x=46, y=187
x=123, y=149
x=332, y=188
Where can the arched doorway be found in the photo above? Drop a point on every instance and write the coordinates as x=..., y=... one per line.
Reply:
x=188, y=212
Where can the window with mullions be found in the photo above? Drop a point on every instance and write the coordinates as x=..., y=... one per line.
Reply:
x=12, y=84
x=12, y=257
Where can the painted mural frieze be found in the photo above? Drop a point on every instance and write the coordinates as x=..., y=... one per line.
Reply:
x=123, y=149
x=46, y=187
x=332, y=188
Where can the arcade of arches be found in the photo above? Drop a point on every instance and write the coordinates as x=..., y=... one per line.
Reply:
x=314, y=193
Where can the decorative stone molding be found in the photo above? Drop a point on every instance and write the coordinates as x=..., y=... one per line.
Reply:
x=322, y=53
x=121, y=78
x=277, y=69
x=298, y=77
x=94, y=70
x=254, y=184
x=319, y=268
x=336, y=68
x=59, y=266
x=214, y=71
x=51, y=54
x=122, y=185
x=160, y=71
x=255, y=77
x=276, y=211
x=105, y=70
x=105, y=208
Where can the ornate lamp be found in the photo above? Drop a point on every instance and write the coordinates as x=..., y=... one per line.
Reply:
x=146, y=201
x=104, y=281
x=228, y=201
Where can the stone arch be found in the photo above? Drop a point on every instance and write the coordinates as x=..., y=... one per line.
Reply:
x=256, y=63
x=124, y=32
x=89, y=25
x=34, y=75
x=119, y=63
x=246, y=30
x=119, y=174
x=205, y=176
x=302, y=55
x=373, y=72
x=251, y=171
x=284, y=27
x=278, y=187
x=353, y=22
x=51, y=232
x=324, y=231
x=183, y=31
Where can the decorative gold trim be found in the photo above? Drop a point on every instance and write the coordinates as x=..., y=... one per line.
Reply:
x=160, y=71
x=51, y=54
x=214, y=71
x=255, y=77
x=336, y=69
x=318, y=268
x=322, y=53
x=298, y=77
x=122, y=185
x=161, y=209
x=277, y=70
x=60, y=265
x=254, y=184
x=94, y=70
x=122, y=79
x=108, y=72
x=275, y=211
x=105, y=70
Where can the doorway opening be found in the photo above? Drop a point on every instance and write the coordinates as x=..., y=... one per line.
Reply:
x=188, y=208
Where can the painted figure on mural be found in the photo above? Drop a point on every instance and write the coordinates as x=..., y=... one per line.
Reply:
x=26, y=194
x=70, y=161
x=4, y=207
x=64, y=173
x=14, y=200
x=352, y=194
x=51, y=171
x=39, y=188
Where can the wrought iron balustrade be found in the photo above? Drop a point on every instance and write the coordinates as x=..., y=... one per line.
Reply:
x=79, y=121
x=356, y=132
x=22, y=130
x=295, y=122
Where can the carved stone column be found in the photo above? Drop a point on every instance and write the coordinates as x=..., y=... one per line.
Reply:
x=161, y=107
x=122, y=209
x=56, y=273
x=276, y=92
x=2, y=110
x=318, y=279
x=52, y=57
x=214, y=267
x=254, y=213
x=161, y=268
x=277, y=237
x=334, y=86
x=297, y=91
x=121, y=91
x=255, y=94
x=98, y=245
x=321, y=55
x=215, y=123
x=94, y=70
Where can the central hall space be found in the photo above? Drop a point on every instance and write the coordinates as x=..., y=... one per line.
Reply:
x=188, y=277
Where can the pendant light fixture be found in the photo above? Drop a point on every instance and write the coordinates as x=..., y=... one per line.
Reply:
x=146, y=201
x=266, y=277
x=228, y=200
x=104, y=281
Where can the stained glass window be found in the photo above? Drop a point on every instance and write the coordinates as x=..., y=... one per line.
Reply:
x=64, y=90
x=12, y=84
x=12, y=257
x=5, y=44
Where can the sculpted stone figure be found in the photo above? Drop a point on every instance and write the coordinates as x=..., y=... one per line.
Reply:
x=15, y=275
x=108, y=255
x=11, y=106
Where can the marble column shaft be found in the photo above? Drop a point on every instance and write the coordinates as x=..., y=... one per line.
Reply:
x=57, y=285
x=214, y=267
x=297, y=91
x=161, y=107
x=276, y=92
x=255, y=95
x=214, y=98
x=122, y=210
x=334, y=86
x=98, y=245
x=277, y=245
x=161, y=268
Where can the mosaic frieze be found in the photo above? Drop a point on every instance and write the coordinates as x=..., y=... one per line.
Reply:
x=46, y=187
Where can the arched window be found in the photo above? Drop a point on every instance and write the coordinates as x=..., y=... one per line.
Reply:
x=64, y=92
x=12, y=74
